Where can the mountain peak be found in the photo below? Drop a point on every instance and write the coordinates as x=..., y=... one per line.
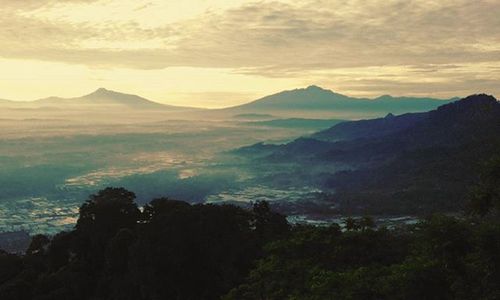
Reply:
x=471, y=102
x=316, y=99
x=478, y=107
x=480, y=98
x=315, y=88
x=109, y=97
x=103, y=91
x=385, y=97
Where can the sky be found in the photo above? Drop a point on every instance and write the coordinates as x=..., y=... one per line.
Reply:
x=218, y=53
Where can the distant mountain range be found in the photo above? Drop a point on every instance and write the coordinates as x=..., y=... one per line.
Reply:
x=104, y=97
x=302, y=102
x=412, y=163
x=314, y=98
x=99, y=99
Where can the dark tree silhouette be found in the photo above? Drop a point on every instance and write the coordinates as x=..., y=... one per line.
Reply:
x=174, y=250
x=39, y=244
x=269, y=225
x=485, y=196
x=101, y=218
x=108, y=211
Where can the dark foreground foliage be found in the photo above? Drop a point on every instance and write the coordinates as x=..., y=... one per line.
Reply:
x=170, y=250
x=442, y=258
x=174, y=250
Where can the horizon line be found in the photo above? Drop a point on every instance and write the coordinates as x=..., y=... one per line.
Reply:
x=230, y=106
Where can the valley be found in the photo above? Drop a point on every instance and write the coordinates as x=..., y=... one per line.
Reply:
x=51, y=160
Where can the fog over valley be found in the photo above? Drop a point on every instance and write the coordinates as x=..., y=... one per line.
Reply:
x=249, y=150
x=56, y=151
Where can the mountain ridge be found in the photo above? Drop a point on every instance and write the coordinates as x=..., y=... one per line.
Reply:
x=310, y=99
x=103, y=96
x=411, y=163
x=100, y=98
x=315, y=98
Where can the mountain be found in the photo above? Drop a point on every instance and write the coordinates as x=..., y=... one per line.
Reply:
x=317, y=99
x=312, y=102
x=409, y=164
x=312, y=97
x=370, y=128
x=103, y=97
x=98, y=100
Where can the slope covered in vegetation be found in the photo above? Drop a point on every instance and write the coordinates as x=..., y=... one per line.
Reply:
x=174, y=250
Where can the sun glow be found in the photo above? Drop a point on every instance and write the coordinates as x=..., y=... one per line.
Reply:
x=217, y=53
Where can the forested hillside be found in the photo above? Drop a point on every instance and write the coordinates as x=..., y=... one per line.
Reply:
x=173, y=250
x=409, y=164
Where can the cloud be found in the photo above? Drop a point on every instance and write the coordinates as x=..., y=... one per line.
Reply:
x=417, y=80
x=278, y=39
x=35, y=4
x=275, y=36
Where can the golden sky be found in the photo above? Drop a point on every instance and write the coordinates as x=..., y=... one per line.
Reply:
x=215, y=53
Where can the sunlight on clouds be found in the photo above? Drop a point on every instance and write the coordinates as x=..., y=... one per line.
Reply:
x=204, y=87
x=223, y=52
x=149, y=14
x=425, y=80
x=122, y=45
x=29, y=80
x=187, y=86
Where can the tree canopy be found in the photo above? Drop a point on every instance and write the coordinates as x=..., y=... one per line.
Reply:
x=171, y=249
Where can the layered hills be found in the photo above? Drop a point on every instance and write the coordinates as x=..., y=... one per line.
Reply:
x=418, y=162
